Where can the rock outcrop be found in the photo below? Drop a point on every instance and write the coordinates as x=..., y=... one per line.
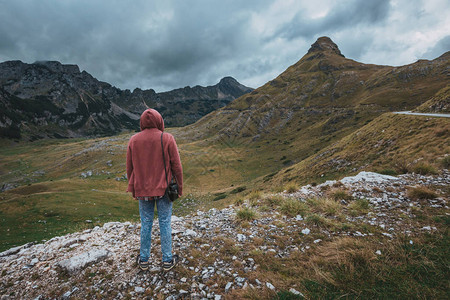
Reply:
x=219, y=255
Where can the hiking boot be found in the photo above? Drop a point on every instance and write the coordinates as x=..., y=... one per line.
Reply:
x=167, y=266
x=143, y=265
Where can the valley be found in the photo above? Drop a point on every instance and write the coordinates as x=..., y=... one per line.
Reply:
x=258, y=172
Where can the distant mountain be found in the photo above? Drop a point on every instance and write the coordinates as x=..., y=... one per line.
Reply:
x=49, y=99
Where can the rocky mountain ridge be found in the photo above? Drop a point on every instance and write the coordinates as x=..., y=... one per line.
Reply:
x=49, y=99
x=221, y=256
x=328, y=90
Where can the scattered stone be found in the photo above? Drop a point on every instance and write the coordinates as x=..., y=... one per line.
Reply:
x=298, y=218
x=190, y=232
x=241, y=238
x=270, y=286
x=306, y=231
x=295, y=292
x=78, y=262
x=386, y=199
x=228, y=286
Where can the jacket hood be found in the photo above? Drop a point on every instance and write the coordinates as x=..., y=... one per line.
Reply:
x=150, y=118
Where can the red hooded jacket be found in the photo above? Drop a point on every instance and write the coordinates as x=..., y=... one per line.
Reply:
x=145, y=166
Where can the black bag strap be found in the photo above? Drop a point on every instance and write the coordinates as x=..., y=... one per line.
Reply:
x=164, y=158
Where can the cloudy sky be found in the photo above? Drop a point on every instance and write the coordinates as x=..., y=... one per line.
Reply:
x=169, y=44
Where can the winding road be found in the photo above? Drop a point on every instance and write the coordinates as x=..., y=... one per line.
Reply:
x=422, y=114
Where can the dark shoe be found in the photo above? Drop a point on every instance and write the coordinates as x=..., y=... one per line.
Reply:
x=143, y=265
x=167, y=266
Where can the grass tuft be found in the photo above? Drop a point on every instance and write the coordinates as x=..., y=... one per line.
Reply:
x=424, y=169
x=292, y=207
x=359, y=207
x=327, y=206
x=273, y=200
x=340, y=195
x=246, y=214
x=421, y=193
x=291, y=188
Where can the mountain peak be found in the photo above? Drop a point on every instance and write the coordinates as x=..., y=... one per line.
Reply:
x=228, y=80
x=324, y=43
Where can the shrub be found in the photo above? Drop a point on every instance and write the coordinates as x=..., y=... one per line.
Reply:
x=238, y=190
x=421, y=193
x=388, y=172
x=246, y=214
x=424, y=169
x=219, y=196
x=445, y=162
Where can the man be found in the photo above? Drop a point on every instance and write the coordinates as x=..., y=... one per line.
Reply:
x=147, y=182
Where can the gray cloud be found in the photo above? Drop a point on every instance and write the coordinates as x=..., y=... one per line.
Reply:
x=349, y=14
x=170, y=44
x=442, y=46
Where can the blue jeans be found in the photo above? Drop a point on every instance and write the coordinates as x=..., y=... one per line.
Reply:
x=146, y=211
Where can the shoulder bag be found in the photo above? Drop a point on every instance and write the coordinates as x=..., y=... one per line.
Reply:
x=172, y=188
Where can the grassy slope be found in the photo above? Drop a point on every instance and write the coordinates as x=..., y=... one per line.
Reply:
x=309, y=107
x=390, y=144
x=439, y=103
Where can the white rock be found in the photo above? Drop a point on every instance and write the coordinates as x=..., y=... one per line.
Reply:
x=241, y=237
x=270, y=286
x=139, y=289
x=190, y=232
x=368, y=177
x=306, y=231
x=228, y=286
x=80, y=261
x=176, y=219
x=295, y=292
x=66, y=295
x=317, y=241
x=298, y=218
x=378, y=252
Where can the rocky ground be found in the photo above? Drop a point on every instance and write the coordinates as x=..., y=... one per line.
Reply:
x=220, y=249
